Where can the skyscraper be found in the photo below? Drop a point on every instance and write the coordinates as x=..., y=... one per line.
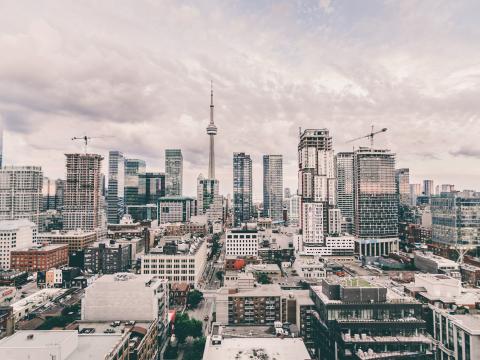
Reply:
x=173, y=172
x=82, y=203
x=415, y=190
x=151, y=187
x=273, y=187
x=116, y=184
x=1, y=143
x=345, y=196
x=59, y=193
x=242, y=188
x=402, y=181
x=317, y=184
x=376, y=201
x=21, y=193
x=428, y=187
x=133, y=168
x=209, y=201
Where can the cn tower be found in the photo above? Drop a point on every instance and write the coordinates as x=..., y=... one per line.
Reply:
x=211, y=131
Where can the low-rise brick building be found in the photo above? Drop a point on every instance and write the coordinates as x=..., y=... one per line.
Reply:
x=39, y=258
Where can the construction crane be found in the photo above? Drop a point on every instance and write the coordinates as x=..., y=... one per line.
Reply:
x=86, y=139
x=370, y=136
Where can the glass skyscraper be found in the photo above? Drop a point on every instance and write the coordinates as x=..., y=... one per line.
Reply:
x=242, y=188
x=151, y=187
x=116, y=180
x=173, y=172
x=345, y=197
x=273, y=187
x=133, y=168
x=376, y=201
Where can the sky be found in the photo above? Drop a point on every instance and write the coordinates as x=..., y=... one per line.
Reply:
x=136, y=75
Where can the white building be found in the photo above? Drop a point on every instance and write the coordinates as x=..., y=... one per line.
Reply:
x=186, y=264
x=376, y=247
x=62, y=345
x=241, y=242
x=294, y=204
x=32, y=302
x=21, y=193
x=126, y=296
x=428, y=262
x=333, y=246
x=15, y=235
x=313, y=222
x=309, y=267
x=239, y=280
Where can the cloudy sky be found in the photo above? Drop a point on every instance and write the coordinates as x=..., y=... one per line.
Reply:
x=139, y=72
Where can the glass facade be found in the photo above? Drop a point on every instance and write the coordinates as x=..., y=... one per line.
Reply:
x=273, y=187
x=151, y=187
x=376, y=201
x=242, y=188
x=173, y=172
x=115, y=195
x=344, y=162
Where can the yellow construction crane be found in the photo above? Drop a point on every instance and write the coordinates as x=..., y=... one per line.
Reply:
x=370, y=136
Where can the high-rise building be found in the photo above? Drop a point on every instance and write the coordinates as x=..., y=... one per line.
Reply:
x=151, y=187
x=1, y=143
x=173, y=172
x=59, y=193
x=376, y=201
x=133, y=168
x=21, y=193
x=447, y=188
x=345, y=195
x=455, y=220
x=48, y=194
x=294, y=205
x=116, y=180
x=415, y=191
x=209, y=201
x=242, y=188
x=316, y=183
x=82, y=203
x=287, y=193
x=402, y=181
x=428, y=187
x=273, y=187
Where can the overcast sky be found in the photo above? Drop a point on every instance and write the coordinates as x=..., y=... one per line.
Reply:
x=139, y=71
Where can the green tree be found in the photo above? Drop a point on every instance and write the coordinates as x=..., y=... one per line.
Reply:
x=195, y=350
x=184, y=327
x=219, y=275
x=194, y=298
x=263, y=278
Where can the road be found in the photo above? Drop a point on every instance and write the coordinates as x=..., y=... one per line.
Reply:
x=205, y=308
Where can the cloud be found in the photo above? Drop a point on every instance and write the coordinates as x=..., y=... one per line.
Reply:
x=141, y=74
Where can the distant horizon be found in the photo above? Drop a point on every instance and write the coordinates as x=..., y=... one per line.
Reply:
x=140, y=74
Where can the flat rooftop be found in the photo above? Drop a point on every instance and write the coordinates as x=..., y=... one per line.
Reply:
x=95, y=346
x=40, y=248
x=469, y=322
x=250, y=348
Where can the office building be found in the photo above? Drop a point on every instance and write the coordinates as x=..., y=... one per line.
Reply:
x=376, y=202
x=294, y=204
x=39, y=258
x=415, y=191
x=108, y=257
x=345, y=193
x=242, y=188
x=82, y=199
x=241, y=242
x=77, y=240
x=1, y=144
x=434, y=264
x=273, y=187
x=52, y=194
x=172, y=209
x=177, y=261
x=402, y=181
x=116, y=179
x=14, y=235
x=209, y=201
x=133, y=169
x=173, y=172
x=428, y=188
x=21, y=193
x=151, y=187
x=455, y=220
x=357, y=319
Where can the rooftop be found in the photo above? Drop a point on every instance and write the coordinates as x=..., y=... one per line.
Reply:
x=66, y=233
x=40, y=248
x=175, y=198
x=249, y=348
x=9, y=225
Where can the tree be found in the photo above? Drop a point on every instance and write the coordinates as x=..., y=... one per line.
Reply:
x=194, y=298
x=263, y=278
x=215, y=246
x=219, y=275
x=184, y=327
x=195, y=350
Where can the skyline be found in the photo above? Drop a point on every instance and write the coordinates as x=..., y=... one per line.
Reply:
x=315, y=65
